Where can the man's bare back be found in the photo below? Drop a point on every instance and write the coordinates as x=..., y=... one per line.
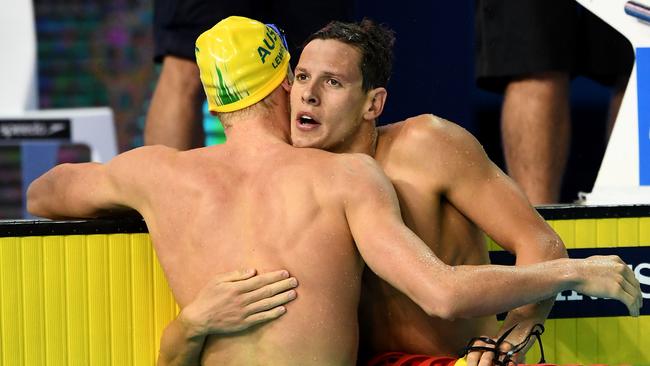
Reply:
x=261, y=207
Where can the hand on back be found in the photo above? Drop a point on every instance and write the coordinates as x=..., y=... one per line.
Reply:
x=234, y=301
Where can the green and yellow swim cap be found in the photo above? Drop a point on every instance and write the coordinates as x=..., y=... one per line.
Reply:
x=241, y=62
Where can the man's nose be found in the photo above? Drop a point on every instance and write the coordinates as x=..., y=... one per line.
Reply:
x=309, y=96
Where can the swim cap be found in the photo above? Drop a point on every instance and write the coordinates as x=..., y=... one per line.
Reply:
x=241, y=62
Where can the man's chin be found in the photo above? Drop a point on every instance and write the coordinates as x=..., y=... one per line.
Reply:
x=302, y=143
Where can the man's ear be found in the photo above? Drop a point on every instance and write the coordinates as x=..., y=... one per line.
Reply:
x=286, y=85
x=288, y=79
x=377, y=99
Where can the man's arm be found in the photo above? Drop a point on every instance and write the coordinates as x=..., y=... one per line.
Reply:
x=397, y=255
x=229, y=303
x=513, y=223
x=73, y=191
x=475, y=185
x=89, y=190
x=180, y=345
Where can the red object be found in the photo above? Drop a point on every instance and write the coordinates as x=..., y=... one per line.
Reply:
x=404, y=359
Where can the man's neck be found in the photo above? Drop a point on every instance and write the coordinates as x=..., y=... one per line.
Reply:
x=258, y=130
x=363, y=142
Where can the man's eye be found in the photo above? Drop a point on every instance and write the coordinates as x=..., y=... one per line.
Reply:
x=333, y=82
x=301, y=77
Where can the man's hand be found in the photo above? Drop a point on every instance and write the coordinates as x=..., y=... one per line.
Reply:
x=609, y=277
x=234, y=301
x=485, y=351
x=479, y=357
x=228, y=303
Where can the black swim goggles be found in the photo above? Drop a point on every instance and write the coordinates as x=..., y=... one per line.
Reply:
x=502, y=358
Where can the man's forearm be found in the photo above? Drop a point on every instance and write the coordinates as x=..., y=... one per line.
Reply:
x=525, y=317
x=179, y=346
x=599, y=276
x=533, y=283
x=528, y=315
x=83, y=190
x=548, y=247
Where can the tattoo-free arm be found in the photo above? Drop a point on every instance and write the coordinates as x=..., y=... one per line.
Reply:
x=513, y=223
x=74, y=190
x=397, y=255
x=89, y=190
x=230, y=302
x=179, y=345
x=462, y=173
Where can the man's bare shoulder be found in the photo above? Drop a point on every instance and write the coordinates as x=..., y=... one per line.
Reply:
x=143, y=161
x=429, y=137
x=427, y=129
x=428, y=149
x=325, y=160
x=358, y=172
x=333, y=177
x=144, y=153
x=356, y=164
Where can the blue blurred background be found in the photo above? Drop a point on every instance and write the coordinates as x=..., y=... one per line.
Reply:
x=95, y=53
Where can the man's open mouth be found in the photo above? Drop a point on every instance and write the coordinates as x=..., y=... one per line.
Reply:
x=306, y=121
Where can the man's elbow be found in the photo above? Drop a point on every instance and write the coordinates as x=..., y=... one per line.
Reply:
x=444, y=313
x=34, y=208
x=556, y=249
x=37, y=202
x=40, y=194
x=545, y=248
x=34, y=203
x=444, y=305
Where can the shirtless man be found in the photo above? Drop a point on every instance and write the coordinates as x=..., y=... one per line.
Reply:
x=301, y=209
x=446, y=185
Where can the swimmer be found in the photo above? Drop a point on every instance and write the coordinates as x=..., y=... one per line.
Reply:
x=281, y=207
x=450, y=192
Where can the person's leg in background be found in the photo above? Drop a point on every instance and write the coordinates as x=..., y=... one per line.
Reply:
x=175, y=117
x=525, y=51
x=607, y=57
x=614, y=105
x=536, y=133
